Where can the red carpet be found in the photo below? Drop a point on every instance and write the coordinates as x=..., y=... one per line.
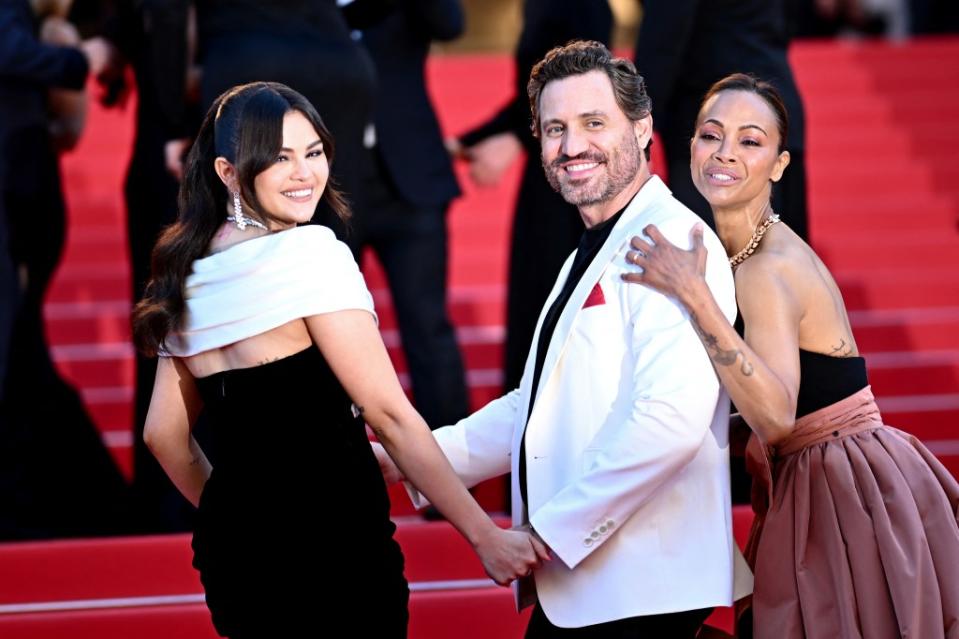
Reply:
x=884, y=207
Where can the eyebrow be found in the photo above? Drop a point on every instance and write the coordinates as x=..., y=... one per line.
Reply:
x=745, y=126
x=587, y=114
x=284, y=148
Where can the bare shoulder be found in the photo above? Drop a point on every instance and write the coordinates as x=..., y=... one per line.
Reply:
x=767, y=282
x=783, y=259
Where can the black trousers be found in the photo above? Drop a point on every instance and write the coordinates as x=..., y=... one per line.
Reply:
x=410, y=241
x=9, y=299
x=56, y=477
x=677, y=625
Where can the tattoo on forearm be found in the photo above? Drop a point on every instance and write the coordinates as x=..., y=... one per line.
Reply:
x=719, y=355
x=843, y=350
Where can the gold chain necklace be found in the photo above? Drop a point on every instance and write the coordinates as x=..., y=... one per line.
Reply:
x=754, y=241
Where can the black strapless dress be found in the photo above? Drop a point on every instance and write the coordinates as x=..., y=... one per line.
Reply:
x=293, y=529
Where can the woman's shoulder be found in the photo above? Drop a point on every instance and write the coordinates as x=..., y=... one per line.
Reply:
x=780, y=255
x=316, y=239
x=300, y=249
x=774, y=275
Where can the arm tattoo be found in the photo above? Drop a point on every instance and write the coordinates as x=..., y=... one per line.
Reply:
x=719, y=355
x=843, y=350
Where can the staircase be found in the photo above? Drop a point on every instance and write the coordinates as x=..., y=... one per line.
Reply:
x=884, y=215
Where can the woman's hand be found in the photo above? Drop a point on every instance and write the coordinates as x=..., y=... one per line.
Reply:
x=510, y=554
x=666, y=267
x=391, y=472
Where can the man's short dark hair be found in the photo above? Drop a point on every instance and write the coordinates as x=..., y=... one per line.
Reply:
x=582, y=56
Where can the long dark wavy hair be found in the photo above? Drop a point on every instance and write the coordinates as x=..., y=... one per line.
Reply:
x=245, y=126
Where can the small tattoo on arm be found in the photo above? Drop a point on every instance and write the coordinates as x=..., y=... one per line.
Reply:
x=721, y=356
x=843, y=350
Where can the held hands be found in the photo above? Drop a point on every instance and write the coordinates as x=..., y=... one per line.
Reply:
x=510, y=554
x=666, y=267
x=506, y=554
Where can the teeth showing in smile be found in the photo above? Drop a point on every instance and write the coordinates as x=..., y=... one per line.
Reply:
x=576, y=168
x=298, y=194
x=722, y=177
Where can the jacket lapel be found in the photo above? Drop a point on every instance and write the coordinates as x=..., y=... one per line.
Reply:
x=615, y=244
x=526, y=382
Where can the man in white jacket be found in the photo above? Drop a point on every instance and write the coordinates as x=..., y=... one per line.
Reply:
x=617, y=435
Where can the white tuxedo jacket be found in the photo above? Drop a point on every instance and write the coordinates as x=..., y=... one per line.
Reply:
x=626, y=447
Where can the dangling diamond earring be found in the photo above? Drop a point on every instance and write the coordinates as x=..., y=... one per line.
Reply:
x=238, y=212
x=241, y=220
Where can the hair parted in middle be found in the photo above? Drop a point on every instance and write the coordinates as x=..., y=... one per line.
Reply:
x=765, y=90
x=582, y=56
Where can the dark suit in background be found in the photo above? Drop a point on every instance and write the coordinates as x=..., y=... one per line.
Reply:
x=683, y=47
x=407, y=187
x=138, y=30
x=304, y=44
x=9, y=294
x=546, y=228
x=56, y=477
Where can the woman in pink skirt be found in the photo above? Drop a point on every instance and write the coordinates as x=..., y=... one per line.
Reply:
x=856, y=532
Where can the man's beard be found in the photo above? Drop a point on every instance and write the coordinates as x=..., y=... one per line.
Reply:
x=622, y=165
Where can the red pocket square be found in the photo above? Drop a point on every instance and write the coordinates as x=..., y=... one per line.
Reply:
x=596, y=297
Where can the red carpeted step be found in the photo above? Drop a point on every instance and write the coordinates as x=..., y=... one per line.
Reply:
x=182, y=620
x=906, y=287
x=467, y=613
x=477, y=613
x=161, y=564
x=920, y=329
x=925, y=373
x=146, y=587
x=938, y=251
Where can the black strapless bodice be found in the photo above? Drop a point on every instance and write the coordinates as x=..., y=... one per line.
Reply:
x=296, y=496
x=826, y=379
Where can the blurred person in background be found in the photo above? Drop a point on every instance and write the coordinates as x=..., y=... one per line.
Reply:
x=407, y=186
x=683, y=47
x=56, y=477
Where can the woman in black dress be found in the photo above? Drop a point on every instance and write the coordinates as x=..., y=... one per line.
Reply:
x=269, y=328
x=304, y=44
